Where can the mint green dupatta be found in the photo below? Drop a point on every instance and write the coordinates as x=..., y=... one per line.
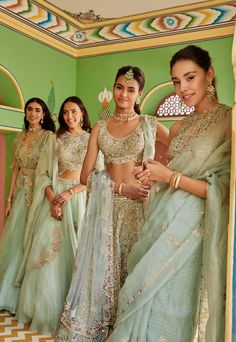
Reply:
x=46, y=174
x=175, y=289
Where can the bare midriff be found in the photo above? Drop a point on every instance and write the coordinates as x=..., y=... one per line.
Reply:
x=123, y=173
x=70, y=175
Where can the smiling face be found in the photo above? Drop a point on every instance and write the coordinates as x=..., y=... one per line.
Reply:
x=190, y=82
x=34, y=114
x=125, y=94
x=72, y=116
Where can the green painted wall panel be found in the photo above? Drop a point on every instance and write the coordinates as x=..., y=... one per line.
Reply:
x=95, y=73
x=35, y=65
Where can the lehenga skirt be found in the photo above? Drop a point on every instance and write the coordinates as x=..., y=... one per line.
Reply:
x=50, y=262
x=11, y=252
x=128, y=219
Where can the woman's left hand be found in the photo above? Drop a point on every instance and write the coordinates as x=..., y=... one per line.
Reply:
x=142, y=175
x=156, y=171
x=62, y=198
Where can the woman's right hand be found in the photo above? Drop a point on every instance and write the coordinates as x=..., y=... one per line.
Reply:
x=136, y=192
x=56, y=211
x=8, y=208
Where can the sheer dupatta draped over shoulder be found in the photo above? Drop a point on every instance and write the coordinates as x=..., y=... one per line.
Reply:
x=175, y=289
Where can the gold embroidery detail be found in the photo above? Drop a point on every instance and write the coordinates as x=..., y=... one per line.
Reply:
x=164, y=225
x=126, y=149
x=161, y=339
x=71, y=151
x=159, y=271
x=195, y=125
x=27, y=159
x=172, y=240
x=49, y=255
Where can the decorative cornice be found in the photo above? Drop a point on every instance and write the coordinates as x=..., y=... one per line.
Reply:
x=52, y=29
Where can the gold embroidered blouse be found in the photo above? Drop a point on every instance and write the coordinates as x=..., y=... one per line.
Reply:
x=196, y=124
x=126, y=149
x=72, y=149
x=26, y=158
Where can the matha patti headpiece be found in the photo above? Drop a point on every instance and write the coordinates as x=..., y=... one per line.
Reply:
x=129, y=75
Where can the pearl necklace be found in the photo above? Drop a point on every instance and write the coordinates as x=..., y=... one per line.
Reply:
x=34, y=129
x=124, y=116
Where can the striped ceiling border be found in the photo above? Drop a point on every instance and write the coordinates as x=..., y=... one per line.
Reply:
x=56, y=26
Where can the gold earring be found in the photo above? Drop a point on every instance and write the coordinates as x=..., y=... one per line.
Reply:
x=211, y=92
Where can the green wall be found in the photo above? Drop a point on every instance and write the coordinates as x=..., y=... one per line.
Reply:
x=95, y=73
x=34, y=66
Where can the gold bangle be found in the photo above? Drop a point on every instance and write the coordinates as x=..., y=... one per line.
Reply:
x=178, y=180
x=71, y=191
x=173, y=179
x=120, y=189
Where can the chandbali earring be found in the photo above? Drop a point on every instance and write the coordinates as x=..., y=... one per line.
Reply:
x=211, y=92
x=138, y=101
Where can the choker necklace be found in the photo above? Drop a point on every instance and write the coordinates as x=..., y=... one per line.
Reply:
x=34, y=129
x=124, y=116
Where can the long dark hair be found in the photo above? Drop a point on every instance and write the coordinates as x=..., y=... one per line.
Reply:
x=86, y=122
x=197, y=55
x=48, y=122
x=138, y=75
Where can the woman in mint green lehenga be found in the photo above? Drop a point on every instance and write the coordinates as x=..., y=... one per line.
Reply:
x=28, y=146
x=175, y=290
x=114, y=214
x=54, y=226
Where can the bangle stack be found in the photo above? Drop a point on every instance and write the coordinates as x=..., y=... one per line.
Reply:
x=71, y=191
x=120, y=189
x=175, y=179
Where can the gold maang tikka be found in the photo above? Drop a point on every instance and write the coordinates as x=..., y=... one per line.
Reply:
x=129, y=75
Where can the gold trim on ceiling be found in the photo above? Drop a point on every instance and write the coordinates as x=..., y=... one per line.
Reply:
x=135, y=44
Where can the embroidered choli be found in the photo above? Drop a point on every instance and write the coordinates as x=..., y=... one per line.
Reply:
x=126, y=149
x=196, y=124
x=72, y=149
x=26, y=158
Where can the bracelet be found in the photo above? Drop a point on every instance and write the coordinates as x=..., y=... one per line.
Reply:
x=71, y=191
x=120, y=188
x=178, y=180
x=173, y=179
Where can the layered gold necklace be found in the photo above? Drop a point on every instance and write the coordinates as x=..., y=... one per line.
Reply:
x=124, y=116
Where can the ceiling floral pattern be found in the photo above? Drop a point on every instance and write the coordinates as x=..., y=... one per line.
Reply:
x=55, y=25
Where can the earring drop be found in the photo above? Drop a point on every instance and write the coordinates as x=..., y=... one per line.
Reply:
x=211, y=91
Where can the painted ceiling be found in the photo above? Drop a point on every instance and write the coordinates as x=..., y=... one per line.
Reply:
x=90, y=11
x=76, y=26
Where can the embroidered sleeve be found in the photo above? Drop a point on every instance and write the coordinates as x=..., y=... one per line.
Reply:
x=16, y=146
